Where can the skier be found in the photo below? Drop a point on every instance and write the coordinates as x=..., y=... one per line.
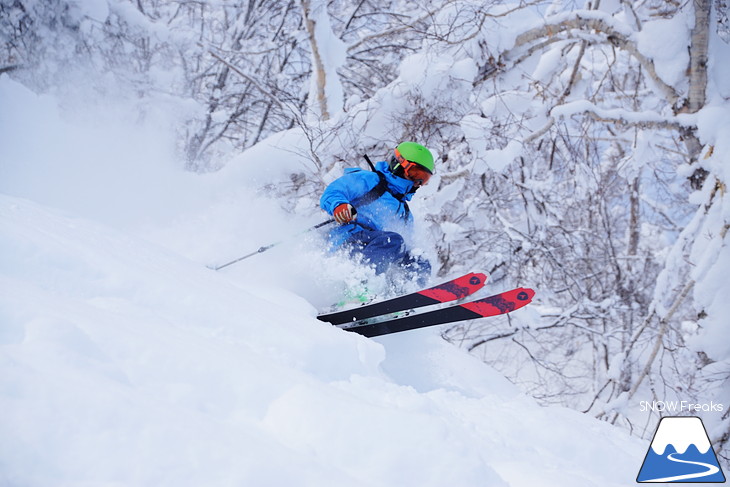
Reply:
x=372, y=210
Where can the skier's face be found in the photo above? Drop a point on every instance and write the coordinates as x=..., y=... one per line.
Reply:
x=414, y=172
x=417, y=174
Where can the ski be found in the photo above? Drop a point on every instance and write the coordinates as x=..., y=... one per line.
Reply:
x=481, y=308
x=458, y=288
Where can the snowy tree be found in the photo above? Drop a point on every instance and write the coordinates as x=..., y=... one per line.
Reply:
x=583, y=123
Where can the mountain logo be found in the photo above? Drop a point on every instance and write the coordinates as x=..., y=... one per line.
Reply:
x=680, y=452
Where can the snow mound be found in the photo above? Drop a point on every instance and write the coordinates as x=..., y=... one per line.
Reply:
x=127, y=364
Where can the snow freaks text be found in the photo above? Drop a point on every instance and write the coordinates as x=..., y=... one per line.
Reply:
x=680, y=406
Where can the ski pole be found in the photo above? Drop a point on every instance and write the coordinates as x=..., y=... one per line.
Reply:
x=267, y=247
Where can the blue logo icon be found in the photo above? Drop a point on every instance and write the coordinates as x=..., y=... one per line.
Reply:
x=680, y=452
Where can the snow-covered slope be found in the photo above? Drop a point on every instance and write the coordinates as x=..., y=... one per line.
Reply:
x=125, y=364
x=125, y=361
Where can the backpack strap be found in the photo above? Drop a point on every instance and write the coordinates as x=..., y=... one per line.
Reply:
x=374, y=194
x=378, y=191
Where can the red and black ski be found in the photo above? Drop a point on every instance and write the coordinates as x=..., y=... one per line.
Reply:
x=458, y=288
x=481, y=308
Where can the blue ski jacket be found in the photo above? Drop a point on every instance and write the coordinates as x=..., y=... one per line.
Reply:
x=388, y=212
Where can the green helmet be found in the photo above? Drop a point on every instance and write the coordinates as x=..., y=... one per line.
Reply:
x=417, y=153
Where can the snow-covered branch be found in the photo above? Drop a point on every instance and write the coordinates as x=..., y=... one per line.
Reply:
x=251, y=79
x=623, y=117
x=587, y=25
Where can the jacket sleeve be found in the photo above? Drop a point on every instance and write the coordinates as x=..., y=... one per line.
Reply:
x=347, y=189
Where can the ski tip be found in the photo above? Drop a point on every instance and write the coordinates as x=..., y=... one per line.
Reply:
x=501, y=303
x=524, y=294
x=458, y=288
x=477, y=278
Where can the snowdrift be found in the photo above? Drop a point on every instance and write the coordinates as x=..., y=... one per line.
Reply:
x=124, y=363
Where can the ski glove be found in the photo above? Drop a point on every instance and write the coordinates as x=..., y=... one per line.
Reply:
x=344, y=213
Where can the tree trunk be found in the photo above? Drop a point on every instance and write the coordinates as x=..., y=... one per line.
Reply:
x=697, y=83
x=318, y=70
x=698, y=56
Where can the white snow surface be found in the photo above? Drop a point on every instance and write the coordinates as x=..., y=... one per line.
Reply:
x=126, y=362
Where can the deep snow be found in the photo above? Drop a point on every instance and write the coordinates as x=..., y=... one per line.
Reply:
x=125, y=361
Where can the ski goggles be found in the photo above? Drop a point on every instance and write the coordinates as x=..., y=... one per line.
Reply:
x=413, y=171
